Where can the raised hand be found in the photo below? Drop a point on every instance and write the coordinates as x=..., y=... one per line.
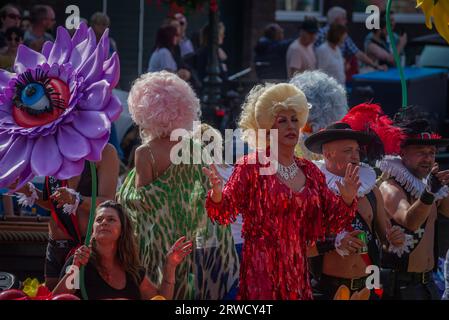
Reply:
x=395, y=236
x=215, y=182
x=81, y=256
x=350, y=243
x=63, y=196
x=179, y=251
x=350, y=187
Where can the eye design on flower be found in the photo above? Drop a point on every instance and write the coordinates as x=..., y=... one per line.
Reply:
x=39, y=99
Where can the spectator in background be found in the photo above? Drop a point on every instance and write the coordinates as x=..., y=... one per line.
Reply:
x=330, y=59
x=25, y=24
x=202, y=54
x=378, y=46
x=9, y=17
x=351, y=53
x=42, y=20
x=14, y=37
x=185, y=44
x=162, y=58
x=99, y=22
x=270, y=53
x=300, y=53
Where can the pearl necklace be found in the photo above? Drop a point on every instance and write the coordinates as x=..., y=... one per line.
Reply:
x=289, y=172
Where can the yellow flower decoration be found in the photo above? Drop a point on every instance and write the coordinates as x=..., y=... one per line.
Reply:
x=439, y=10
x=158, y=298
x=30, y=287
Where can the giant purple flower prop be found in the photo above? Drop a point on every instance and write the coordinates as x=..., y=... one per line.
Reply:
x=56, y=110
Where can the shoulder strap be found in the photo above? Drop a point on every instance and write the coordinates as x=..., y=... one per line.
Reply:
x=153, y=162
x=373, y=203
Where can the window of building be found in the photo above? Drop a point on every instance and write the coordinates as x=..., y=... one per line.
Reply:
x=296, y=10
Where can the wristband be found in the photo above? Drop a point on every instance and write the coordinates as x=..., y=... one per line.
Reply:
x=427, y=198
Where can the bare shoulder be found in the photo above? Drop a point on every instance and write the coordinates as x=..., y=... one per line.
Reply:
x=108, y=155
x=392, y=191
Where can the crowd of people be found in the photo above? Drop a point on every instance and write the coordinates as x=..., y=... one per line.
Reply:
x=329, y=49
x=351, y=188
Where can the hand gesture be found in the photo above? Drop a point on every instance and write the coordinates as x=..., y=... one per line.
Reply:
x=215, y=182
x=81, y=256
x=350, y=187
x=350, y=243
x=395, y=236
x=63, y=196
x=179, y=251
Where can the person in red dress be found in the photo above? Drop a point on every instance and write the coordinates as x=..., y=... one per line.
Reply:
x=282, y=211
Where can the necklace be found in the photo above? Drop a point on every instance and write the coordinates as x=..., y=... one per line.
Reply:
x=289, y=172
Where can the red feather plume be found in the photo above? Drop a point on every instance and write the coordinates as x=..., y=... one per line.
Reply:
x=370, y=117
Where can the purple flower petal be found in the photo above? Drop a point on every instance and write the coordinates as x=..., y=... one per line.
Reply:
x=92, y=124
x=70, y=169
x=27, y=58
x=62, y=48
x=113, y=108
x=80, y=35
x=97, y=147
x=82, y=51
x=92, y=70
x=53, y=71
x=45, y=158
x=5, y=112
x=112, y=70
x=5, y=141
x=15, y=160
x=95, y=96
x=26, y=176
x=5, y=76
x=46, y=48
x=72, y=144
x=104, y=43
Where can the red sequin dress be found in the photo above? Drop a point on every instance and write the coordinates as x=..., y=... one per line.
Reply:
x=277, y=225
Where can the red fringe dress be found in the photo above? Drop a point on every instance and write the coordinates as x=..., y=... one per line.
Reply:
x=278, y=223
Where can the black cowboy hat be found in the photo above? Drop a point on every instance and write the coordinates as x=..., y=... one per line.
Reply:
x=336, y=131
x=419, y=132
x=426, y=139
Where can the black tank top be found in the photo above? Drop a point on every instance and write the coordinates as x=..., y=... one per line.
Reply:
x=98, y=289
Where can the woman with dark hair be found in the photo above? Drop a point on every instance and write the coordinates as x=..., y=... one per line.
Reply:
x=113, y=269
x=14, y=37
x=202, y=54
x=9, y=17
x=163, y=56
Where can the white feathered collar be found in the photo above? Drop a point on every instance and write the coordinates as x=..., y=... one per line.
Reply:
x=367, y=177
x=393, y=166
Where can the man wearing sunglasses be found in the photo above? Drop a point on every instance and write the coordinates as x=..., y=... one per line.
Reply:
x=42, y=21
x=9, y=17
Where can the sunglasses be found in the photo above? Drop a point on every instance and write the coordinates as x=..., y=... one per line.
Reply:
x=14, y=16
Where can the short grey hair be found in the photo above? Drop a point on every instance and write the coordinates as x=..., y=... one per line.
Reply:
x=334, y=13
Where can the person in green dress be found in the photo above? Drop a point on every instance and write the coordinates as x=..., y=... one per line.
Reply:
x=166, y=200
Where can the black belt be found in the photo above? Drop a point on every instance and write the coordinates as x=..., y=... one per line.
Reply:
x=414, y=277
x=352, y=284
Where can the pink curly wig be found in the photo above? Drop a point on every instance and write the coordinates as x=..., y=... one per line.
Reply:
x=160, y=102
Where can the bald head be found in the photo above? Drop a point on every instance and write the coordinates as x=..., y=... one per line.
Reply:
x=338, y=154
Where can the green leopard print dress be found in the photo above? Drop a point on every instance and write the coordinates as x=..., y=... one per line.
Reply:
x=173, y=206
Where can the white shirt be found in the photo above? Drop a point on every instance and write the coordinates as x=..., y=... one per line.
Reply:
x=331, y=62
x=300, y=58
